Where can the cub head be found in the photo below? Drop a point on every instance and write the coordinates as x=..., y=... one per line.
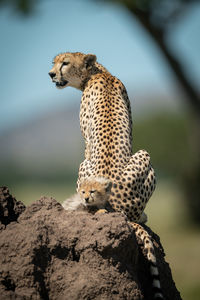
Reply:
x=95, y=191
x=71, y=69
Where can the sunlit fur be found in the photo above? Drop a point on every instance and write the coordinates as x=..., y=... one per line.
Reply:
x=95, y=191
x=73, y=69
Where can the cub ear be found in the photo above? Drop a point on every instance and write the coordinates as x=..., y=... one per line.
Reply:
x=108, y=186
x=89, y=60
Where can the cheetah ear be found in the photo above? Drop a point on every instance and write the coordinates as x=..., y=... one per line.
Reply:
x=108, y=186
x=89, y=60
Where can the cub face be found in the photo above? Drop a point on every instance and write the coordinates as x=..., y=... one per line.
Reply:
x=71, y=69
x=95, y=191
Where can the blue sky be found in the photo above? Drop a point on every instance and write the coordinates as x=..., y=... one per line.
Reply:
x=29, y=44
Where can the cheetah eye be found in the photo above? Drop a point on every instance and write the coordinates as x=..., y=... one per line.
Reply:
x=83, y=192
x=92, y=191
x=65, y=63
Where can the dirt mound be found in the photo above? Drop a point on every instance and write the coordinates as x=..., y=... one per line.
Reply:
x=49, y=253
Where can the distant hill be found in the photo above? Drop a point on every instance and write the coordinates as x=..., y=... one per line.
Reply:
x=52, y=143
x=48, y=143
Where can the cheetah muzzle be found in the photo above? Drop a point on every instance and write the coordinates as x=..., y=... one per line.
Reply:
x=61, y=84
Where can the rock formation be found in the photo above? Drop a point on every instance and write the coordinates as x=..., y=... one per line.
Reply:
x=49, y=253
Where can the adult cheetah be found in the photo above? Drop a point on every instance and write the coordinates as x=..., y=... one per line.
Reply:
x=106, y=125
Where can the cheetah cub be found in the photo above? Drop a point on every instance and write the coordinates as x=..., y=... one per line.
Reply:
x=92, y=196
x=95, y=192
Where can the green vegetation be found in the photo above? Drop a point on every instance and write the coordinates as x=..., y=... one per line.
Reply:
x=166, y=137
x=30, y=189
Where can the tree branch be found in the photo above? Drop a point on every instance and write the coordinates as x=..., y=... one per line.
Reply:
x=158, y=36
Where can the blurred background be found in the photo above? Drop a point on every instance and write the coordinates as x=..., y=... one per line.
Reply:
x=153, y=46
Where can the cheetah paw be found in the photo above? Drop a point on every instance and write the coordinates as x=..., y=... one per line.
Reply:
x=101, y=211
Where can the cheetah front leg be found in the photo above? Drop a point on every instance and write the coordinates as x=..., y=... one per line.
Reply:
x=85, y=171
x=101, y=211
x=87, y=149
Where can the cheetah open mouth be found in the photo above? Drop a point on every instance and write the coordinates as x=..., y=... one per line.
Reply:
x=62, y=84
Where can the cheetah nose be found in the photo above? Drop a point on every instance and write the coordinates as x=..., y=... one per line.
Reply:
x=87, y=200
x=52, y=74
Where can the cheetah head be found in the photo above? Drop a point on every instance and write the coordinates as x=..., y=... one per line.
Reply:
x=71, y=69
x=95, y=191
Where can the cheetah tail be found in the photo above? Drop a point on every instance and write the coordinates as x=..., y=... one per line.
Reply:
x=142, y=235
x=157, y=291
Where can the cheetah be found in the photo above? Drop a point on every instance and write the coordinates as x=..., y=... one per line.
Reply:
x=106, y=125
x=75, y=202
x=90, y=199
x=95, y=192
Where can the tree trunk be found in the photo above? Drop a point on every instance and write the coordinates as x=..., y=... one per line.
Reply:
x=191, y=177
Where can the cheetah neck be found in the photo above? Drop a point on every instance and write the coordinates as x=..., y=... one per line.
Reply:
x=96, y=69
